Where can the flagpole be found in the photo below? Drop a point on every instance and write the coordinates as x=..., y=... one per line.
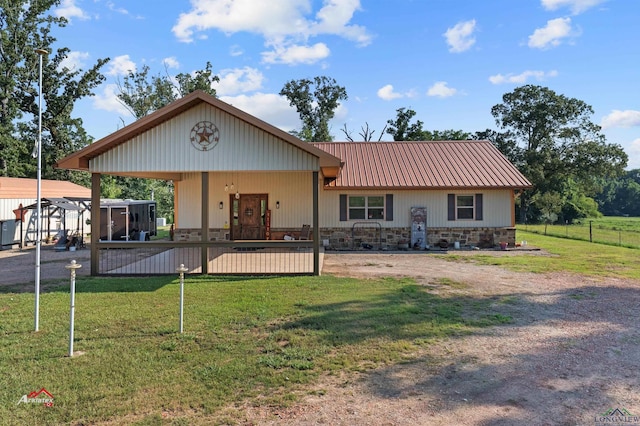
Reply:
x=40, y=53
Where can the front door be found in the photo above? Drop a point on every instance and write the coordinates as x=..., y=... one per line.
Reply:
x=248, y=214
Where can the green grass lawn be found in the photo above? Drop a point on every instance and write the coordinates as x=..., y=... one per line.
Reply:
x=258, y=340
x=580, y=257
x=610, y=230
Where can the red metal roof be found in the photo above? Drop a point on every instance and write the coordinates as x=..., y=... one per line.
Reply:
x=420, y=165
x=17, y=188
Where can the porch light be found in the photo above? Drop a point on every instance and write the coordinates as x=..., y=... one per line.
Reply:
x=226, y=188
x=237, y=195
x=277, y=204
x=221, y=205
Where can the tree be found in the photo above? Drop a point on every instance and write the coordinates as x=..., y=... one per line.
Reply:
x=143, y=94
x=24, y=27
x=365, y=133
x=403, y=130
x=556, y=141
x=316, y=101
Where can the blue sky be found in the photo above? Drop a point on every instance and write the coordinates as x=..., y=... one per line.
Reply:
x=450, y=61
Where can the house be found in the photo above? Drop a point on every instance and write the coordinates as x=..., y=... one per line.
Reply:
x=241, y=183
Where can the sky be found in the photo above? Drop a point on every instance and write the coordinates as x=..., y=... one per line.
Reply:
x=448, y=60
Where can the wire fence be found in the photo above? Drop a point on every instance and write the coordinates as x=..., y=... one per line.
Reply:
x=589, y=231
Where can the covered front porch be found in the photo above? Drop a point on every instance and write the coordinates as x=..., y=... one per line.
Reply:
x=240, y=185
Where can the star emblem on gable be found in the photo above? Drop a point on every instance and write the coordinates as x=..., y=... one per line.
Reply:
x=205, y=136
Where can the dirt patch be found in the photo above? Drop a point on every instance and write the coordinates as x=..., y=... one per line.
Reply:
x=17, y=267
x=571, y=353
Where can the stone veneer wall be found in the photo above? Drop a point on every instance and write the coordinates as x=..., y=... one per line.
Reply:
x=341, y=238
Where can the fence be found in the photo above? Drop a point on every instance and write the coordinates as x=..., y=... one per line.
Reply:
x=588, y=231
x=222, y=258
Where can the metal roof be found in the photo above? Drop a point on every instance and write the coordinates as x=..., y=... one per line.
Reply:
x=420, y=165
x=14, y=188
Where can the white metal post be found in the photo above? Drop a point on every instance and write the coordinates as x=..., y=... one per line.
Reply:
x=40, y=52
x=72, y=266
x=182, y=270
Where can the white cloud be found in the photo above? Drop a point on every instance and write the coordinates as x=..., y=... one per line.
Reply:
x=552, y=34
x=386, y=93
x=74, y=60
x=522, y=77
x=296, y=54
x=576, y=6
x=460, y=37
x=441, y=90
x=69, y=10
x=269, y=107
x=617, y=118
x=112, y=7
x=171, y=62
x=286, y=25
x=108, y=101
x=239, y=80
x=121, y=65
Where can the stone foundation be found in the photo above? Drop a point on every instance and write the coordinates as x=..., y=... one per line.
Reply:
x=388, y=238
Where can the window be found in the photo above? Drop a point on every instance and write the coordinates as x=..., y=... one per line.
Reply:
x=464, y=207
x=366, y=207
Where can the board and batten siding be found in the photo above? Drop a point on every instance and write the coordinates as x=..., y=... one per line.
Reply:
x=497, y=208
x=292, y=189
x=167, y=148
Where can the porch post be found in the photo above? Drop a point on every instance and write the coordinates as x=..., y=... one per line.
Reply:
x=204, y=257
x=95, y=223
x=316, y=224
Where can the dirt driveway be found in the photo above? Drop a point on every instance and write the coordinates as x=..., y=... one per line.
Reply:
x=571, y=354
x=18, y=266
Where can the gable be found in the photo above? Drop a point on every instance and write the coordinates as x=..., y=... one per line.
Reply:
x=172, y=146
x=159, y=145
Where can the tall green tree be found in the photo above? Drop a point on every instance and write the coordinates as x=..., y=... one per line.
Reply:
x=316, y=101
x=142, y=93
x=558, y=141
x=24, y=27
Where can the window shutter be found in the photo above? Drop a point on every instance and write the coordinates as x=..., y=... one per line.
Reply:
x=478, y=206
x=343, y=207
x=451, y=198
x=389, y=207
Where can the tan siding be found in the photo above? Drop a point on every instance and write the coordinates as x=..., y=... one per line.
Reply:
x=167, y=148
x=188, y=201
x=496, y=205
x=292, y=189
